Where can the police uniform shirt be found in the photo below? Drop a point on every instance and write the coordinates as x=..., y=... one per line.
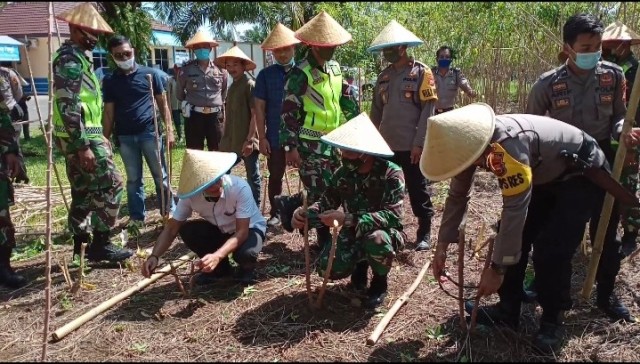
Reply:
x=594, y=102
x=10, y=88
x=398, y=107
x=527, y=153
x=447, y=86
x=198, y=88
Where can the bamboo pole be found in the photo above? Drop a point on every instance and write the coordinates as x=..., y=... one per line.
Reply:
x=71, y=326
x=375, y=335
x=307, y=257
x=47, y=288
x=461, y=242
x=607, y=206
x=163, y=207
x=332, y=254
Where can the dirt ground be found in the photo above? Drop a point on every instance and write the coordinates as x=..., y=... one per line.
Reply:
x=271, y=321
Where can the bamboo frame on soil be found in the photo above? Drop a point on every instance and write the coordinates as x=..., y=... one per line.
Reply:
x=375, y=335
x=607, y=206
x=73, y=325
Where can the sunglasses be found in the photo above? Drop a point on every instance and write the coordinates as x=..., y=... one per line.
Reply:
x=122, y=55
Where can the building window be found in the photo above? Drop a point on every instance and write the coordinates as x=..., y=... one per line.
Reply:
x=182, y=57
x=99, y=59
x=162, y=58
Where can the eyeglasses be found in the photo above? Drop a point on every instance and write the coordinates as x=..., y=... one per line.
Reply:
x=123, y=55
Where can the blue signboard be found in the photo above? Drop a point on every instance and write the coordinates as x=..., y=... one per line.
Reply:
x=9, y=49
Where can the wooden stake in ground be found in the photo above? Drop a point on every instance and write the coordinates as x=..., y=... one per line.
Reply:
x=375, y=335
x=461, y=242
x=68, y=328
x=607, y=206
x=332, y=255
x=307, y=257
x=474, y=313
x=163, y=208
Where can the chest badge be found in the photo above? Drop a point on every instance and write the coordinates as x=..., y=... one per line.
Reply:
x=606, y=80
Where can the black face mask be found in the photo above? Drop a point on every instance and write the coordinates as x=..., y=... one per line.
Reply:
x=89, y=41
x=392, y=55
x=326, y=53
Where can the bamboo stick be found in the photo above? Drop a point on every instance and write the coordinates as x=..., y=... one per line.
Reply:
x=375, y=335
x=307, y=257
x=461, y=242
x=163, y=208
x=286, y=179
x=332, y=254
x=71, y=326
x=607, y=206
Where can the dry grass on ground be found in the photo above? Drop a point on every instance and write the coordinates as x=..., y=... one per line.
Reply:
x=270, y=321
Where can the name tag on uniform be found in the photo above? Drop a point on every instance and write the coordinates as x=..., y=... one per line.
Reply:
x=606, y=99
x=560, y=103
x=606, y=79
x=194, y=84
x=559, y=87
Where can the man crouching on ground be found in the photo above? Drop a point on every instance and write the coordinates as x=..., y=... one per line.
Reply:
x=370, y=190
x=231, y=221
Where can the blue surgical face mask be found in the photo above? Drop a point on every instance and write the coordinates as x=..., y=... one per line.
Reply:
x=288, y=64
x=202, y=54
x=588, y=61
x=444, y=63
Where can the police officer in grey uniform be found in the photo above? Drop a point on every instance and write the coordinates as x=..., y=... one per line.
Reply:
x=403, y=99
x=448, y=80
x=202, y=89
x=589, y=94
x=550, y=175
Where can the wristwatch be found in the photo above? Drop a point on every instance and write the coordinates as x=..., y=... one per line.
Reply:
x=499, y=268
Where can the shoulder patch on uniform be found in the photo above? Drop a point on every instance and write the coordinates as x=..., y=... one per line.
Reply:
x=71, y=69
x=513, y=177
x=428, y=86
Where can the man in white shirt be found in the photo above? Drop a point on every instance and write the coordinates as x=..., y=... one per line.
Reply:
x=231, y=222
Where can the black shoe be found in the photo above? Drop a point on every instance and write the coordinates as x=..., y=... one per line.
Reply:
x=615, y=309
x=549, y=338
x=377, y=292
x=101, y=248
x=495, y=315
x=359, y=277
x=424, y=243
x=286, y=206
x=10, y=278
x=273, y=221
x=423, y=235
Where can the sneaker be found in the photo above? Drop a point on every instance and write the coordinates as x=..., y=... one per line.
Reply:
x=549, y=338
x=424, y=243
x=615, y=309
x=423, y=235
x=110, y=252
x=495, y=315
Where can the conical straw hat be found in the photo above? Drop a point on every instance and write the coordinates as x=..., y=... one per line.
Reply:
x=455, y=139
x=280, y=36
x=87, y=17
x=392, y=35
x=359, y=135
x=618, y=32
x=323, y=31
x=201, y=169
x=235, y=52
x=201, y=37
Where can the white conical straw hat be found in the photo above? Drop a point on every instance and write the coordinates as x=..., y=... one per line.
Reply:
x=455, y=139
x=280, y=36
x=359, y=135
x=618, y=32
x=394, y=34
x=235, y=52
x=201, y=37
x=201, y=169
x=87, y=17
x=323, y=31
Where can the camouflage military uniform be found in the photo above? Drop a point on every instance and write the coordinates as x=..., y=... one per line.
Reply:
x=373, y=205
x=100, y=191
x=8, y=144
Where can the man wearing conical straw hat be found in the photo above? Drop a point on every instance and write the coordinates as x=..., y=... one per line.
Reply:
x=616, y=48
x=370, y=190
x=240, y=134
x=550, y=174
x=268, y=95
x=96, y=185
x=590, y=94
x=403, y=99
x=202, y=91
x=315, y=99
x=230, y=221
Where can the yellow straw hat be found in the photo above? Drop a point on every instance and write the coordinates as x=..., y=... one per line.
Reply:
x=323, y=31
x=455, y=139
x=618, y=32
x=86, y=16
x=235, y=52
x=392, y=35
x=359, y=135
x=201, y=169
x=199, y=38
x=280, y=37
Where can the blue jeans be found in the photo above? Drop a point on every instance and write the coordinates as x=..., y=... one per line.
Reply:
x=132, y=149
x=252, y=166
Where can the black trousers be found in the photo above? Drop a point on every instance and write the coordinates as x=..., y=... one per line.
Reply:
x=556, y=218
x=203, y=238
x=416, y=184
x=199, y=127
x=277, y=165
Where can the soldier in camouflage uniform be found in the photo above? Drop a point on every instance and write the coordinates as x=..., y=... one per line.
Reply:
x=315, y=98
x=370, y=190
x=96, y=186
x=616, y=48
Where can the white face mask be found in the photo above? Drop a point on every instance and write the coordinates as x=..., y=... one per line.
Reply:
x=126, y=65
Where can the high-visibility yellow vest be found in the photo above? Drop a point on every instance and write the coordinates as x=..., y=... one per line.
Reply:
x=90, y=101
x=321, y=102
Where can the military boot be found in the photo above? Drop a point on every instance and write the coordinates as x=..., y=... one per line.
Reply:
x=423, y=236
x=501, y=313
x=8, y=277
x=629, y=243
x=359, y=277
x=102, y=248
x=610, y=304
x=550, y=336
x=78, y=240
x=376, y=292
x=286, y=206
